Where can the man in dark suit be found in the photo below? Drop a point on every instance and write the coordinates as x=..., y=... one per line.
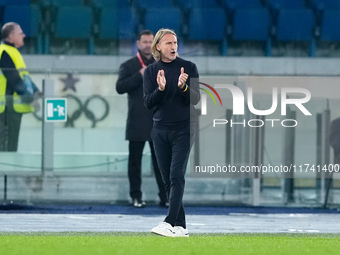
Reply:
x=139, y=120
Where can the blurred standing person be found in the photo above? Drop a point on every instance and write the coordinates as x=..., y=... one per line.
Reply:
x=171, y=90
x=139, y=120
x=16, y=87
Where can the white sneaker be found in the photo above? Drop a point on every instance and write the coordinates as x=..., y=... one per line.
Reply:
x=164, y=229
x=138, y=203
x=181, y=232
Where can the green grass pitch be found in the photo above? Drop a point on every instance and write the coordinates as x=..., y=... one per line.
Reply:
x=148, y=244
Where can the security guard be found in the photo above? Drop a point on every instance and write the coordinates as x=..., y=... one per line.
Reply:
x=17, y=90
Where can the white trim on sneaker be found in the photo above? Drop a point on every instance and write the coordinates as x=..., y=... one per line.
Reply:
x=164, y=229
x=181, y=232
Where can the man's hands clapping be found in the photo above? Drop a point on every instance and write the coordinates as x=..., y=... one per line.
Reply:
x=161, y=81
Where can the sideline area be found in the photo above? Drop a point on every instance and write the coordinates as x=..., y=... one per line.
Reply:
x=200, y=219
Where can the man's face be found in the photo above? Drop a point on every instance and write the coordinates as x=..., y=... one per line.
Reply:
x=17, y=37
x=168, y=47
x=144, y=44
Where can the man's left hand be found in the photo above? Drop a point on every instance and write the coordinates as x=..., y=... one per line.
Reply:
x=182, y=78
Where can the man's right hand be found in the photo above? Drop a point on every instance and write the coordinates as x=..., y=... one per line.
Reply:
x=161, y=80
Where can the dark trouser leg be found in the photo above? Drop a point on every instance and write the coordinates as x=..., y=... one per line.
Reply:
x=135, y=168
x=3, y=131
x=180, y=155
x=160, y=183
x=172, y=150
x=14, y=122
x=9, y=130
x=163, y=154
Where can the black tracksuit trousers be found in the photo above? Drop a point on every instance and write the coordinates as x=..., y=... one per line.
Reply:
x=172, y=148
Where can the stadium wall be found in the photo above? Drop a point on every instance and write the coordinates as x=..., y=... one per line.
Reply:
x=206, y=65
x=71, y=186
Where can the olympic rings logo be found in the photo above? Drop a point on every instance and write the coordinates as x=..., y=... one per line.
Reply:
x=80, y=107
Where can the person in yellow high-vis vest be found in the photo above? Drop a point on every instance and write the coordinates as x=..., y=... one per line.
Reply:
x=17, y=91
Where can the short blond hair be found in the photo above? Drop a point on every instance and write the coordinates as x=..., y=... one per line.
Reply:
x=158, y=37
